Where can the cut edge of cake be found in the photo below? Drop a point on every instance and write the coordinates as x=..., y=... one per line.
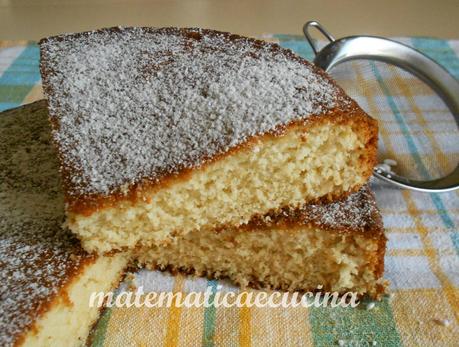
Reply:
x=337, y=246
x=208, y=198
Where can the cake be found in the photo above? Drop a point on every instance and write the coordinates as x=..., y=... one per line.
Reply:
x=162, y=132
x=46, y=276
x=337, y=246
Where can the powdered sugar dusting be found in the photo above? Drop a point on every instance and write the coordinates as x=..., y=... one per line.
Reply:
x=37, y=257
x=134, y=103
x=358, y=212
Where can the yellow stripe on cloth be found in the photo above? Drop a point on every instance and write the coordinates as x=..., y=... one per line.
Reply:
x=34, y=95
x=10, y=43
x=245, y=329
x=173, y=323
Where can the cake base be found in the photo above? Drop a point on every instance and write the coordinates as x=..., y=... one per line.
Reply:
x=339, y=246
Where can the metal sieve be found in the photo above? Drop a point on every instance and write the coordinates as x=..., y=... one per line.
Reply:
x=406, y=58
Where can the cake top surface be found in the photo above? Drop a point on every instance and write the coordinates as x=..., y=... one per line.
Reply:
x=357, y=212
x=37, y=257
x=140, y=103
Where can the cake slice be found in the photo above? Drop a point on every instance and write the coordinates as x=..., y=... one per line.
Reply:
x=46, y=277
x=339, y=246
x=166, y=131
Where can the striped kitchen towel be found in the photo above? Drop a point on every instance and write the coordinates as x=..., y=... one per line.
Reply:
x=422, y=261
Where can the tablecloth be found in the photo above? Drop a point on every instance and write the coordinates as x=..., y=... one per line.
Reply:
x=422, y=261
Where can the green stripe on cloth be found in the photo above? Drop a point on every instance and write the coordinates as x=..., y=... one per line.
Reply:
x=12, y=95
x=354, y=326
x=209, y=317
x=98, y=335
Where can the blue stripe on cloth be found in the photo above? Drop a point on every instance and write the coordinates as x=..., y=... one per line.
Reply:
x=438, y=203
x=20, y=77
x=440, y=51
x=209, y=317
x=7, y=105
x=25, y=68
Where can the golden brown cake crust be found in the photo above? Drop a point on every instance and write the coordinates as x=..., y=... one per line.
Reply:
x=377, y=294
x=38, y=259
x=324, y=102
